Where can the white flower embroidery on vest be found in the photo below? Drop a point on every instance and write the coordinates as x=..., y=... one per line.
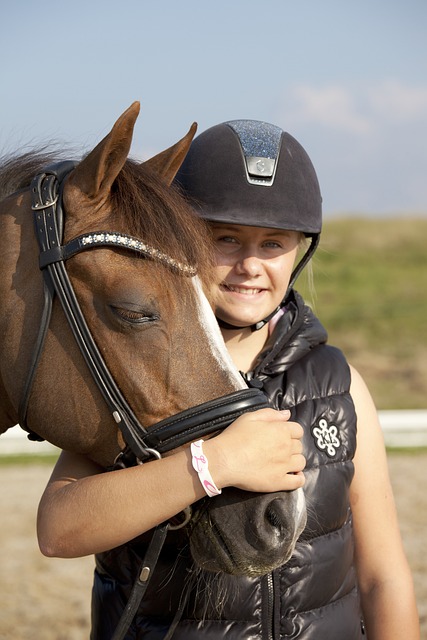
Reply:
x=326, y=437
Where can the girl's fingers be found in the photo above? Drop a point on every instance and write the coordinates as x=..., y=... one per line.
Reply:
x=296, y=430
x=294, y=481
x=297, y=464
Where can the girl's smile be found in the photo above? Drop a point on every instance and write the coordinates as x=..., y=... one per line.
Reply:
x=246, y=291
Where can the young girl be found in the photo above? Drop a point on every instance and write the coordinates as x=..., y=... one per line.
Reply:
x=348, y=577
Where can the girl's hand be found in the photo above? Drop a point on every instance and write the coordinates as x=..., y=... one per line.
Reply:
x=260, y=451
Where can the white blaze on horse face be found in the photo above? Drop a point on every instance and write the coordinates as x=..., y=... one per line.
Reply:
x=210, y=325
x=300, y=506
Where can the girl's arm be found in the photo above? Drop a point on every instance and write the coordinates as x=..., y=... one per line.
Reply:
x=85, y=510
x=385, y=581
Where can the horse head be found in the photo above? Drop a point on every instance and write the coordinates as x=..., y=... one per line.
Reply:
x=151, y=324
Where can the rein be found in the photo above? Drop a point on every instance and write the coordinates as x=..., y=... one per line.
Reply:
x=142, y=444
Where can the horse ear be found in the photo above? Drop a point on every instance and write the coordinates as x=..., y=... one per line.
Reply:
x=167, y=163
x=95, y=174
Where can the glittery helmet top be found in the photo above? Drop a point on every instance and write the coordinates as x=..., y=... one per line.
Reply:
x=252, y=173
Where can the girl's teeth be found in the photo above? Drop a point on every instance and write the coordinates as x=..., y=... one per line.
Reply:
x=249, y=292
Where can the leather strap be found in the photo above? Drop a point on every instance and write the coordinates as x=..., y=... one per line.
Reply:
x=141, y=583
x=44, y=197
x=48, y=211
x=203, y=419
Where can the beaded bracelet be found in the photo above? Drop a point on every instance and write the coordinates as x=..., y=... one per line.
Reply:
x=200, y=464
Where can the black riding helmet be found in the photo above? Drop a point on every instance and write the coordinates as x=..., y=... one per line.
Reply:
x=252, y=173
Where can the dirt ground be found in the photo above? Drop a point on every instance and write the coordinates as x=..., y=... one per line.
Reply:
x=49, y=599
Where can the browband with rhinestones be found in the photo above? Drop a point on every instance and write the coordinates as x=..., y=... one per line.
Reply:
x=114, y=239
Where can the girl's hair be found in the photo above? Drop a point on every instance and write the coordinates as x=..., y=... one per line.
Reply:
x=308, y=269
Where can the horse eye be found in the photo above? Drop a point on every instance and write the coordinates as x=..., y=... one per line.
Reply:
x=134, y=316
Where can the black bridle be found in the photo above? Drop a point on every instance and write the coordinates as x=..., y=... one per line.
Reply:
x=142, y=444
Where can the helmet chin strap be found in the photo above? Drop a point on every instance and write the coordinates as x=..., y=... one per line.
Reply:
x=252, y=327
x=295, y=273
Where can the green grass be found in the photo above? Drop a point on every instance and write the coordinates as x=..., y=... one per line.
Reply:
x=28, y=458
x=370, y=279
x=409, y=451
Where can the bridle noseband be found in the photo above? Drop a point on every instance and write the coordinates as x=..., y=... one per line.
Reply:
x=142, y=444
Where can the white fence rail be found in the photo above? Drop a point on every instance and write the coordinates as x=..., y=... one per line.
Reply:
x=15, y=442
x=404, y=428
x=401, y=429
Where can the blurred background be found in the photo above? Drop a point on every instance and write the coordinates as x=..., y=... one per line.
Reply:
x=348, y=80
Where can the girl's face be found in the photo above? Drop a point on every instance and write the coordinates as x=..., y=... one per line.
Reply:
x=254, y=266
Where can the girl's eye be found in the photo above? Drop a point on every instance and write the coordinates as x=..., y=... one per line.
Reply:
x=225, y=239
x=133, y=316
x=271, y=244
x=226, y=244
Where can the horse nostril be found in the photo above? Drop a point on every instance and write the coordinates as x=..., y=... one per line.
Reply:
x=273, y=516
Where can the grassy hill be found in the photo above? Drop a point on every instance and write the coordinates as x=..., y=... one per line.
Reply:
x=370, y=291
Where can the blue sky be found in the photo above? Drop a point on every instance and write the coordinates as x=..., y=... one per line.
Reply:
x=347, y=79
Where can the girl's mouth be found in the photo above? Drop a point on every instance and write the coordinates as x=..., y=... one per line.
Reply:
x=247, y=291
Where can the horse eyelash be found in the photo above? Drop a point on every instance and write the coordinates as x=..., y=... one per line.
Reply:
x=134, y=317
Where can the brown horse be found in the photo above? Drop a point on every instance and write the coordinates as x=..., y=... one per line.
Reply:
x=151, y=323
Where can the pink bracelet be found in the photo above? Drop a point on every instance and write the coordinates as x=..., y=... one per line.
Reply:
x=200, y=464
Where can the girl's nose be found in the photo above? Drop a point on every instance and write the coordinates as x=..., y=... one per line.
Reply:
x=249, y=265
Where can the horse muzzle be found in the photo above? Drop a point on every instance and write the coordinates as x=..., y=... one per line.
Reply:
x=243, y=533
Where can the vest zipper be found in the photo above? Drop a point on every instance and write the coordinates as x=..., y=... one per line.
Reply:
x=270, y=607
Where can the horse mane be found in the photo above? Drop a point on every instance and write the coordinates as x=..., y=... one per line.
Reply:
x=17, y=171
x=142, y=204
x=160, y=216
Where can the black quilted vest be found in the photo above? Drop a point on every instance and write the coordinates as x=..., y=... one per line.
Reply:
x=314, y=596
